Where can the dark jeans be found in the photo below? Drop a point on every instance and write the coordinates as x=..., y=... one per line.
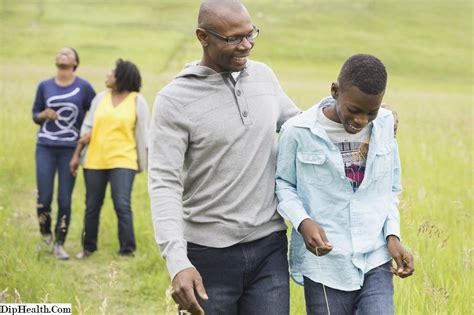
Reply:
x=121, y=182
x=246, y=278
x=48, y=161
x=374, y=298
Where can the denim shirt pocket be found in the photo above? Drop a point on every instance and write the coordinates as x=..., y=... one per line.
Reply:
x=383, y=161
x=314, y=168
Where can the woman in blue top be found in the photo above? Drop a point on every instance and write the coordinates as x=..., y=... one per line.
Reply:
x=59, y=109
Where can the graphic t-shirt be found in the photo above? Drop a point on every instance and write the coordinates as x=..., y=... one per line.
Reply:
x=353, y=147
x=70, y=103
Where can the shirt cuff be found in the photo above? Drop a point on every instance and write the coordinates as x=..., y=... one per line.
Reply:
x=176, y=263
x=293, y=211
x=392, y=228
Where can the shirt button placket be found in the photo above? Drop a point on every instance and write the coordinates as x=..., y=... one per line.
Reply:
x=242, y=107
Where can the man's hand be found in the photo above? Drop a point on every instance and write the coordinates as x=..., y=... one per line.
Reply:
x=48, y=114
x=185, y=284
x=402, y=257
x=314, y=237
x=395, y=116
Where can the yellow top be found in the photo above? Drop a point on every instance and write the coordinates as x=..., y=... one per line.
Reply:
x=112, y=143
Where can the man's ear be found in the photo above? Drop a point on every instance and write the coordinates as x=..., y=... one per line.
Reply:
x=202, y=37
x=334, y=90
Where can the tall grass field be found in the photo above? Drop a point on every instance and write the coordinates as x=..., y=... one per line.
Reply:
x=426, y=45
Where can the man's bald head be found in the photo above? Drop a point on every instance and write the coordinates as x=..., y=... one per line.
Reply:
x=213, y=11
x=218, y=21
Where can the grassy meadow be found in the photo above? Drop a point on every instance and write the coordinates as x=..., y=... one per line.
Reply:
x=427, y=46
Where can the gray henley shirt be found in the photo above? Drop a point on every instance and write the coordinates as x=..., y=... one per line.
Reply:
x=212, y=159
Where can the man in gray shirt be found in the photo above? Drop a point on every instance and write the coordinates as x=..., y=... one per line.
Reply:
x=211, y=173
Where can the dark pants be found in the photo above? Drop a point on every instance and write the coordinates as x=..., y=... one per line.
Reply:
x=48, y=161
x=246, y=278
x=121, y=182
x=374, y=298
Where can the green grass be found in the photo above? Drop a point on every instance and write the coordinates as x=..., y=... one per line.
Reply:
x=426, y=46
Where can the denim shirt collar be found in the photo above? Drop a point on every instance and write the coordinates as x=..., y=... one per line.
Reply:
x=308, y=119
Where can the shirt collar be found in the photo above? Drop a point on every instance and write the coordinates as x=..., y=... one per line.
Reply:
x=309, y=118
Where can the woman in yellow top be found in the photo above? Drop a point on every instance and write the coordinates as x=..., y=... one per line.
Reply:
x=112, y=149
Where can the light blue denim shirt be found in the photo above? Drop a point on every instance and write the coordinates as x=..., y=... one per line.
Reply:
x=311, y=183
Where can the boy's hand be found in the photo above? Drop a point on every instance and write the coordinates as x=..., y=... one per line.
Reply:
x=402, y=257
x=314, y=237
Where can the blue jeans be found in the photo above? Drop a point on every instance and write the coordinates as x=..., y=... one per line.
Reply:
x=121, y=182
x=246, y=278
x=374, y=298
x=48, y=161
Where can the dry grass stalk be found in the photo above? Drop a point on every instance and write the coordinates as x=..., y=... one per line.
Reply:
x=430, y=229
x=171, y=308
x=443, y=243
x=113, y=274
x=439, y=296
x=103, y=306
x=467, y=258
x=3, y=295
x=45, y=299
x=79, y=308
x=17, y=297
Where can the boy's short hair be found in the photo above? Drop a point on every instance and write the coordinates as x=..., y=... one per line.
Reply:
x=127, y=76
x=365, y=72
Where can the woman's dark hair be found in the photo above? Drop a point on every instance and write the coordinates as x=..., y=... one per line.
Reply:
x=127, y=76
x=76, y=55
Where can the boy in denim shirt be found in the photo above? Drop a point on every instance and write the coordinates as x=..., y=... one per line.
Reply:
x=338, y=180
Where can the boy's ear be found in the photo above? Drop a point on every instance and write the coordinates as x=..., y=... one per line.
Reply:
x=202, y=37
x=334, y=90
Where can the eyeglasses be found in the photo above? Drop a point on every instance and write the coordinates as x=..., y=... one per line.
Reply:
x=235, y=40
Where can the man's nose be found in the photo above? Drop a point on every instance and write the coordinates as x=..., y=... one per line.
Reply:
x=245, y=44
